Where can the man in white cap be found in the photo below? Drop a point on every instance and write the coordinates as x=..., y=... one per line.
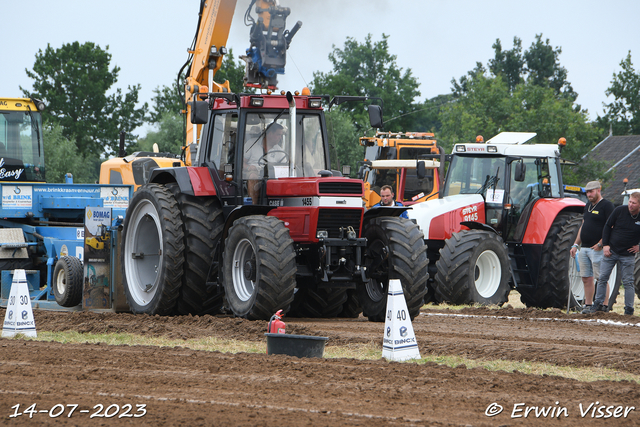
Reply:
x=595, y=215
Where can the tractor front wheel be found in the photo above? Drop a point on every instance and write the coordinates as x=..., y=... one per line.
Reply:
x=395, y=250
x=473, y=268
x=259, y=267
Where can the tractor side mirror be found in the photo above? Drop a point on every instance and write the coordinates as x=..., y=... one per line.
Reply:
x=521, y=170
x=375, y=116
x=421, y=170
x=199, y=112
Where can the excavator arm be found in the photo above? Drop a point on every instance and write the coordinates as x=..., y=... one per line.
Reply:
x=265, y=58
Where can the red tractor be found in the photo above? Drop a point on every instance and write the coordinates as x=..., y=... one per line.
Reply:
x=260, y=223
x=503, y=222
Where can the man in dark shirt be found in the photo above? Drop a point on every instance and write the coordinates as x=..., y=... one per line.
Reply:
x=595, y=215
x=620, y=239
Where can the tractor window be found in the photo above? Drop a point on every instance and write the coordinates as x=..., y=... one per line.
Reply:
x=223, y=141
x=21, y=148
x=312, y=155
x=467, y=175
x=416, y=187
x=523, y=192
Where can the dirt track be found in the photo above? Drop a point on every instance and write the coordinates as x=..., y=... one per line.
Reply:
x=180, y=386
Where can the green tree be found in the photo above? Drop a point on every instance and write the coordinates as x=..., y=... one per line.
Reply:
x=544, y=69
x=171, y=98
x=508, y=63
x=368, y=69
x=61, y=157
x=344, y=145
x=169, y=136
x=487, y=108
x=73, y=81
x=623, y=114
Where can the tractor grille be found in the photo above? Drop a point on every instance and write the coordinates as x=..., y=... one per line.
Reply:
x=340, y=188
x=332, y=219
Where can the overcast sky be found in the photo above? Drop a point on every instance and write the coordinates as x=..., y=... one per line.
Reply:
x=437, y=40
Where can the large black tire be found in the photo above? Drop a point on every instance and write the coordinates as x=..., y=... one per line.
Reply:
x=554, y=280
x=395, y=250
x=152, y=251
x=473, y=269
x=203, y=223
x=67, y=283
x=259, y=267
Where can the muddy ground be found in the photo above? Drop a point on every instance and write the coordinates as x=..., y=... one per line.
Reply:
x=185, y=387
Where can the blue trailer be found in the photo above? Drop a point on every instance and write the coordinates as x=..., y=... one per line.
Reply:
x=42, y=224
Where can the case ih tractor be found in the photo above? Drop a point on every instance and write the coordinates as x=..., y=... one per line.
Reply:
x=503, y=222
x=261, y=224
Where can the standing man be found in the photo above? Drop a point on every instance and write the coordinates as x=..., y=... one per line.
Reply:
x=595, y=215
x=620, y=237
x=387, y=198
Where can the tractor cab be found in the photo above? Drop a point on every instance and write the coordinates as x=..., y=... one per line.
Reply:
x=21, y=142
x=252, y=139
x=509, y=175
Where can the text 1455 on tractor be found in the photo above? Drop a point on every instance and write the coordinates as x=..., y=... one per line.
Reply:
x=503, y=221
x=256, y=231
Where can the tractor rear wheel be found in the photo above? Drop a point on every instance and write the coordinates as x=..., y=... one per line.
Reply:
x=153, y=251
x=554, y=280
x=395, y=250
x=473, y=268
x=259, y=267
x=67, y=281
x=203, y=223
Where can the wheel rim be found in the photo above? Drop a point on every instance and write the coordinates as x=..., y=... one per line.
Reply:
x=244, y=272
x=144, y=237
x=575, y=281
x=488, y=274
x=61, y=282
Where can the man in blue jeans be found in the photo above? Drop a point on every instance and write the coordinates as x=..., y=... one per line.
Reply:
x=620, y=239
x=595, y=216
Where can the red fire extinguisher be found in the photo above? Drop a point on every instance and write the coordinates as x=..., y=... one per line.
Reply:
x=276, y=326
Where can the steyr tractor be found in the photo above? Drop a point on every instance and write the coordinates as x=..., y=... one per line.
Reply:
x=503, y=221
x=260, y=223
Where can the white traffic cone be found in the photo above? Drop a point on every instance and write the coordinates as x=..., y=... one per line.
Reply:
x=19, y=316
x=399, y=341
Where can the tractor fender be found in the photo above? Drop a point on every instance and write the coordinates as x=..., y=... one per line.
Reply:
x=194, y=181
x=543, y=214
x=472, y=225
x=379, y=211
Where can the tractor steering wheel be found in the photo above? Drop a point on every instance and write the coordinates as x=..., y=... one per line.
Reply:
x=263, y=158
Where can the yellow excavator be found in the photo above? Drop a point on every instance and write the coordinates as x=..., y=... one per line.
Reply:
x=407, y=161
x=265, y=59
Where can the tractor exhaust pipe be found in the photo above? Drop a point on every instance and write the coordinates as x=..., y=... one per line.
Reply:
x=121, y=152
